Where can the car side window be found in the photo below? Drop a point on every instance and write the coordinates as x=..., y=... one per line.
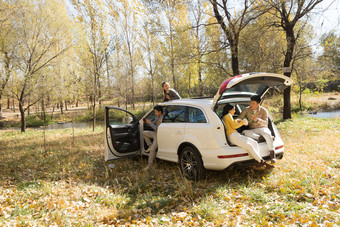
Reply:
x=196, y=115
x=174, y=114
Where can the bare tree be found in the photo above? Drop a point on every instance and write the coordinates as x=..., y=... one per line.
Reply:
x=233, y=23
x=199, y=39
x=150, y=46
x=7, y=46
x=288, y=14
x=40, y=42
x=92, y=16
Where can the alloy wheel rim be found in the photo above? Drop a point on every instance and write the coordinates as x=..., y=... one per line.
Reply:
x=189, y=164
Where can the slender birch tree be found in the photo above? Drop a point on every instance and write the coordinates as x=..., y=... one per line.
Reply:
x=41, y=39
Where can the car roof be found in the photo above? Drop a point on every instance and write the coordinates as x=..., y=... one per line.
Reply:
x=194, y=102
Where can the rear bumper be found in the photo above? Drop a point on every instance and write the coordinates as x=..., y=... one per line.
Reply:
x=231, y=157
x=252, y=162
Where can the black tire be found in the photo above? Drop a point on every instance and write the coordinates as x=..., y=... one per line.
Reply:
x=191, y=164
x=280, y=156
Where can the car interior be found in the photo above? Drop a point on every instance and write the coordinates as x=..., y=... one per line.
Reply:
x=238, y=109
x=123, y=129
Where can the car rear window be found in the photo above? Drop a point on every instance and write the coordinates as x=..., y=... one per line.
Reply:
x=196, y=115
x=174, y=114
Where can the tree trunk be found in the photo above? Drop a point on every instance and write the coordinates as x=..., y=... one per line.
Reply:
x=28, y=109
x=94, y=101
x=52, y=112
x=200, y=85
x=7, y=76
x=132, y=81
x=153, y=90
x=0, y=109
x=42, y=108
x=189, y=88
x=8, y=103
x=287, y=104
x=89, y=101
x=108, y=85
x=99, y=94
x=290, y=37
x=61, y=107
x=23, y=120
x=94, y=113
x=172, y=57
x=65, y=105
x=126, y=100
x=234, y=58
x=300, y=95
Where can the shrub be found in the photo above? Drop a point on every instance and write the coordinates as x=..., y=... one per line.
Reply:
x=36, y=121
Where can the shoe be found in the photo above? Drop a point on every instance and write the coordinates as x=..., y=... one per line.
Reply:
x=272, y=156
x=268, y=166
x=261, y=139
x=260, y=164
x=263, y=165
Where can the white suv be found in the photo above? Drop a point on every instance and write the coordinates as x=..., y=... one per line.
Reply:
x=192, y=132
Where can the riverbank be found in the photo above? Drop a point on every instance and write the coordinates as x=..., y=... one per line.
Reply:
x=65, y=181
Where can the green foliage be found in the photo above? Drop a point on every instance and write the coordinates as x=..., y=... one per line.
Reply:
x=330, y=59
x=37, y=121
x=306, y=91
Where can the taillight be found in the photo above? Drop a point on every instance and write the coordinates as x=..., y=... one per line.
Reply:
x=233, y=156
x=280, y=147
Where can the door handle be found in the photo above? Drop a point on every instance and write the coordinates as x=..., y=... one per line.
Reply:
x=178, y=132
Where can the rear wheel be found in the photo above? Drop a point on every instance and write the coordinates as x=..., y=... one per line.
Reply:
x=191, y=164
x=279, y=156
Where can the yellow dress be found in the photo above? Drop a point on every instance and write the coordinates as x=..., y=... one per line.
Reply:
x=231, y=124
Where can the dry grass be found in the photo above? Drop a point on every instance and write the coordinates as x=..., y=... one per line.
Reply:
x=70, y=184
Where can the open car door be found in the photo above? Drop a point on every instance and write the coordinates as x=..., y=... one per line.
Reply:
x=251, y=84
x=121, y=133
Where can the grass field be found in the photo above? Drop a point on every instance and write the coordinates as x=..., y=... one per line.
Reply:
x=67, y=183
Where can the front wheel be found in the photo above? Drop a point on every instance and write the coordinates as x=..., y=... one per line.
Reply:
x=191, y=164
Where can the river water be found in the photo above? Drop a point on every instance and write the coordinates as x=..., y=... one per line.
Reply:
x=75, y=125
x=334, y=114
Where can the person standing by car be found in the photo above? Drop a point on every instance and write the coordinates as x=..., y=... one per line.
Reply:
x=148, y=135
x=169, y=93
x=236, y=138
x=258, y=124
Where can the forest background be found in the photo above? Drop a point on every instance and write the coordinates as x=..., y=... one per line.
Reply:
x=55, y=55
x=65, y=60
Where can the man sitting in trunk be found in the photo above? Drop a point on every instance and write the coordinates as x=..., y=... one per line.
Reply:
x=258, y=124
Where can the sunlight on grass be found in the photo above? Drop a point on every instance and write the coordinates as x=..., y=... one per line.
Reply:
x=67, y=182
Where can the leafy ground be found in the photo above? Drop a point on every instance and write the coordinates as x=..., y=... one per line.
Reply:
x=67, y=183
